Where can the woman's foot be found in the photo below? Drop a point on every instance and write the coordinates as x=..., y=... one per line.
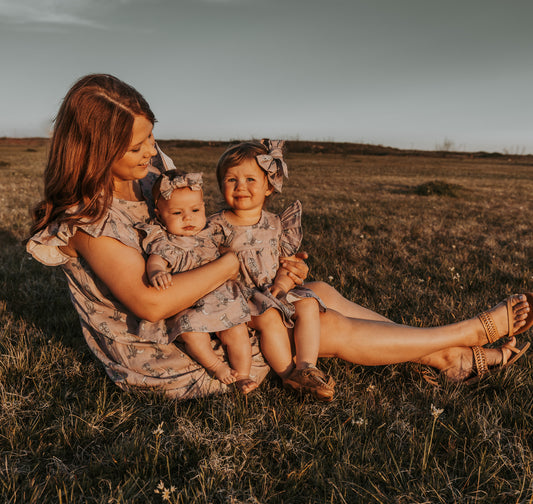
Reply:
x=312, y=381
x=469, y=365
x=509, y=317
x=245, y=384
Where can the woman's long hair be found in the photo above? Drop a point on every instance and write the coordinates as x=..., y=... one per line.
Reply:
x=92, y=130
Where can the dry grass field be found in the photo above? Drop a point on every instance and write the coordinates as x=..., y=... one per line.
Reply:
x=424, y=238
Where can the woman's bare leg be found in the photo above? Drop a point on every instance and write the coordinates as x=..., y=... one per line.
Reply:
x=375, y=342
x=334, y=300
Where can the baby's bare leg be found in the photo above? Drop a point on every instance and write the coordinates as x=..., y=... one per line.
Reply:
x=239, y=348
x=198, y=346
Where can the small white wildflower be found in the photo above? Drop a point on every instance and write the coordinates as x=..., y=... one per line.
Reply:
x=421, y=280
x=452, y=268
x=453, y=247
x=158, y=431
x=371, y=388
x=436, y=412
x=362, y=236
x=166, y=494
x=361, y=422
x=330, y=278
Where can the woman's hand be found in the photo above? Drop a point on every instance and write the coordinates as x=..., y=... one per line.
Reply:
x=292, y=271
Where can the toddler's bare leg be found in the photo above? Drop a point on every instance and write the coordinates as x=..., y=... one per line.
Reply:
x=198, y=346
x=239, y=348
x=275, y=342
x=306, y=332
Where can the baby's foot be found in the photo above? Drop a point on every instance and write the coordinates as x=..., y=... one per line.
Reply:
x=245, y=384
x=507, y=317
x=222, y=372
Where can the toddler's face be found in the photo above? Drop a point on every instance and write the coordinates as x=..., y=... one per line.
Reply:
x=245, y=186
x=184, y=213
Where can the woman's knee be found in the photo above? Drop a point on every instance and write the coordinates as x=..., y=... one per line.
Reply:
x=323, y=290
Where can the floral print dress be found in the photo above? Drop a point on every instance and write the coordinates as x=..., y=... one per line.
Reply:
x=112, y=332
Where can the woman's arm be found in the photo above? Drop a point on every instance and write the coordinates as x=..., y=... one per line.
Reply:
x=123, y=270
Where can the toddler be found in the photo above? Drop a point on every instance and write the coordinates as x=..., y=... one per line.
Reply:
x=248, y=173
x=182, y=242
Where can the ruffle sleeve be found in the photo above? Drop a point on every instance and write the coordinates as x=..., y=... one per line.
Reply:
x=291, y=229
x=156, y=242
x=44, y=245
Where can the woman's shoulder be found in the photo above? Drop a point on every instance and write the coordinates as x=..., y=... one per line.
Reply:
x=118, y=222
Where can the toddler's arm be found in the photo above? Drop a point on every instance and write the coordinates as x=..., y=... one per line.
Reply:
x=292, y=271
x=158, y=272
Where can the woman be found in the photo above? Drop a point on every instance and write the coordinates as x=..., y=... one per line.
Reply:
x=97, y=186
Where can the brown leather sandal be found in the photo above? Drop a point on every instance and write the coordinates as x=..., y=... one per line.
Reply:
x=491, y=332
x=312, y=381
x=480, y=367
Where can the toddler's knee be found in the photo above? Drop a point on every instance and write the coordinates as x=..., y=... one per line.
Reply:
x=267, y=320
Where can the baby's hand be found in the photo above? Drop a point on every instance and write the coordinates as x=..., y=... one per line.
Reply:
x=161, y=280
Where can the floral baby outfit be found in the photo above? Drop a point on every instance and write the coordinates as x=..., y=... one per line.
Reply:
x=259, y=248
x=221, y=309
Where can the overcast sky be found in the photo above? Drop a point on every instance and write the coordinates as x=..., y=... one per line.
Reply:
x=404, y=73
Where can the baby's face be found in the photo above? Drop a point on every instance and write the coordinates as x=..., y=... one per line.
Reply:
x=184, y=213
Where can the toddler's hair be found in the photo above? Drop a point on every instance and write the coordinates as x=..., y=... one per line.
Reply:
x=237, y=154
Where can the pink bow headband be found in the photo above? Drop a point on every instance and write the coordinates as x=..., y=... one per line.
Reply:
x=272, y=163
x=169, y=185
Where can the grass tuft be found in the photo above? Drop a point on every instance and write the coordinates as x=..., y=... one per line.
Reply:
x=438, y=188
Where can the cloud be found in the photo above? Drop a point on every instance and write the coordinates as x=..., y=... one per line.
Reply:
x=48, y=12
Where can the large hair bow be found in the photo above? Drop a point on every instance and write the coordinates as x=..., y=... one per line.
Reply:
x=191, y=180
x=273, y=164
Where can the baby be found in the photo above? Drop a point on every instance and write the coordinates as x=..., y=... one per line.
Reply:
x=182, y=242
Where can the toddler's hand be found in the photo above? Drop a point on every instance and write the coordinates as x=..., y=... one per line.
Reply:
x=161, y=280
x=282, y=284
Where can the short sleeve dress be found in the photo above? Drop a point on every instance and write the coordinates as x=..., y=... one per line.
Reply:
x=259, y=248
x=221, y=309
x=112, y=332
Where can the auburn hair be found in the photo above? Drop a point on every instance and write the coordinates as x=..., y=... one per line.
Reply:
x=92, y=130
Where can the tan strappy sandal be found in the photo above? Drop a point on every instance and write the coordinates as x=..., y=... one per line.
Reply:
x=491, y=332
x=480, y=367
x=313, y=381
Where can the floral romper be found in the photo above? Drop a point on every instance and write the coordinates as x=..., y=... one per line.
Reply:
x=221, y=309
x=259, y=248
